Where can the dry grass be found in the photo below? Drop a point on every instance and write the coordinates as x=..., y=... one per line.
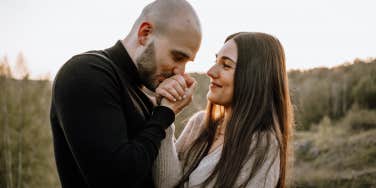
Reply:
x=334, y=155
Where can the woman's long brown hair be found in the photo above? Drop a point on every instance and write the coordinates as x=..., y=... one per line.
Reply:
x=261, y=104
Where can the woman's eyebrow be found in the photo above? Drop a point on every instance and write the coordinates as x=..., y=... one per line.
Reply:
x=227, y=58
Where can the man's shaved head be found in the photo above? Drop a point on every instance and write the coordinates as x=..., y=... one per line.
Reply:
x=163, y=39
x=169, y=14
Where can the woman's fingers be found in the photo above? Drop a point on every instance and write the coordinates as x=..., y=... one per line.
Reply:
x=173, y=87
x=170, y=92
x=174, y=92
x=180, y=79
x=162, y=92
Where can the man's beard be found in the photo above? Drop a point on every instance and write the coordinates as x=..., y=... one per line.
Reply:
x=146, y=64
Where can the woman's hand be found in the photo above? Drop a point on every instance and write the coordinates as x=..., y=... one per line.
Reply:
x=176, y=92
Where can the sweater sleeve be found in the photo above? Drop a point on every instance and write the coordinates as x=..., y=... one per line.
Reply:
x=190, y=132
x=167, y=167
x=87, y=101
x=167, y=170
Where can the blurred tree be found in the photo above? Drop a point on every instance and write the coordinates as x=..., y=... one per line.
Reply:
x=5, y=71
x=21, y=71
x=26, y=153
x=364, y=92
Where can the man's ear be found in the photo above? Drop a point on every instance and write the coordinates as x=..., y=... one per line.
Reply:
x=144, y=32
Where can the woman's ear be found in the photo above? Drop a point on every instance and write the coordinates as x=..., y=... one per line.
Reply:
x=144, y=32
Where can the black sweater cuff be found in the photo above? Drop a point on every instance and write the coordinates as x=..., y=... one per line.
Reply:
x=163, y=116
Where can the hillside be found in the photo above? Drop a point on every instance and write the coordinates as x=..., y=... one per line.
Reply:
x=334, y=143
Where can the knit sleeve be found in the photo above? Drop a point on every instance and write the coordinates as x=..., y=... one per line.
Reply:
x=167, y=169
x=191, y=131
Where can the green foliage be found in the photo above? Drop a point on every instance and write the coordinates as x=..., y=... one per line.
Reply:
x=358, y=120
x=331, y=92
x=335, y=156
x=364, y=92
x=309, y=110
x=26, y=154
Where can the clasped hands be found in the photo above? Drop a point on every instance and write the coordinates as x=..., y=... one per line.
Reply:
x=176, y=92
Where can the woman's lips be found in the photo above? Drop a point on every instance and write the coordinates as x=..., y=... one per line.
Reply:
x=214, y=85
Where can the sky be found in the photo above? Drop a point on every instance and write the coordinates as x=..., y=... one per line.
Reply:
x=314, y=33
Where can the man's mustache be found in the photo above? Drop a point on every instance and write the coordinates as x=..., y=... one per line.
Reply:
x=167, y=75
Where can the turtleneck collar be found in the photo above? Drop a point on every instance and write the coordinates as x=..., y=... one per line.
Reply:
x=119, y=55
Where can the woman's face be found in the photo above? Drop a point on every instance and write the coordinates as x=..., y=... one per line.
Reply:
x=221, y=75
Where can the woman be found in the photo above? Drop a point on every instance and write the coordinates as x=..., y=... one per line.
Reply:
x=241, y=140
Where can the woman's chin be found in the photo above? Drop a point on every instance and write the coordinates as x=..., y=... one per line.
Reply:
x=218, y=100
x=212, y=99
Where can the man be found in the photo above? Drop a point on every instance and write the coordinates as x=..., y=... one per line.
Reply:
x=106, y=130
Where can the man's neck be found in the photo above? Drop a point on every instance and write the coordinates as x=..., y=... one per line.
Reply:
x=128, y=45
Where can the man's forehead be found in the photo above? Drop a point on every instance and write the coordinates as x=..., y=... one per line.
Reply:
x=182, y=42
x=187, y=35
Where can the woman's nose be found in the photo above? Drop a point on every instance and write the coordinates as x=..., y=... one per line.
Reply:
x=212, y=72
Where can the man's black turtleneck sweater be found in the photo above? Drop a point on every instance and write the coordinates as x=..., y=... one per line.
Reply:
x=106, y=131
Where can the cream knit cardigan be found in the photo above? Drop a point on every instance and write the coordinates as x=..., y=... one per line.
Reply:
x=168, y=169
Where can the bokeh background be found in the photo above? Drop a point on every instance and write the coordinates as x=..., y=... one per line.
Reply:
x=331, y=58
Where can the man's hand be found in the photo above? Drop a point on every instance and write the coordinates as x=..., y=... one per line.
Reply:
x=176, y=92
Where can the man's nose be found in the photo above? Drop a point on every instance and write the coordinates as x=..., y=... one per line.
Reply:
x=179, y=69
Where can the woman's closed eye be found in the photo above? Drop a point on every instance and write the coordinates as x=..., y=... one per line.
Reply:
x=226, y=66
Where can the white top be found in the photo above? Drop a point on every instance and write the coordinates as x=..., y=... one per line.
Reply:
x=168, y=168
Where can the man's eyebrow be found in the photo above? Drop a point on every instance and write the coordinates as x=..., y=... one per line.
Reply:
x=180, y=53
